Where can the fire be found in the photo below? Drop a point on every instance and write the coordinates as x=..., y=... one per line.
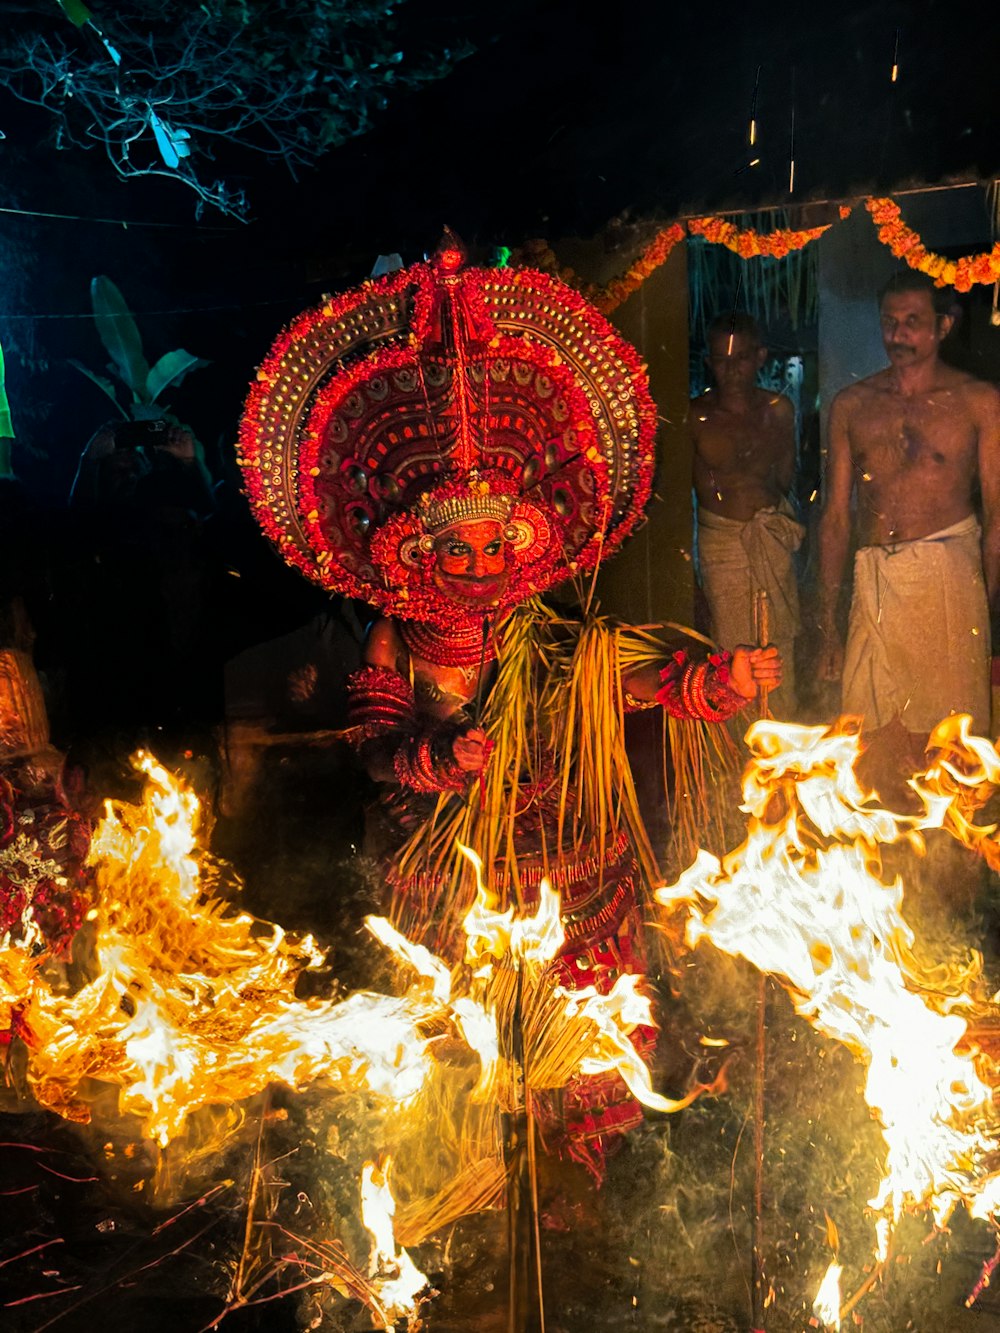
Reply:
x=827, y=1303
x=193, y=1003
x=802, y=899
x=190, y=1003
x=562, y=1031
x=398, y=1281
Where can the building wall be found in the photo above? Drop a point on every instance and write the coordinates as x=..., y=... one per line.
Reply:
x=652, y=578
x=853, y=265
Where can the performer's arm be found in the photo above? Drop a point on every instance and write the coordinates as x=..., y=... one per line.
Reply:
x=834, y=537
x=712, y=690
x=989, y=484
x=394, y=742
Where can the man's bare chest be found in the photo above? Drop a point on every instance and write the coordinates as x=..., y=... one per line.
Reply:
x=892, y=438
x=747, y=444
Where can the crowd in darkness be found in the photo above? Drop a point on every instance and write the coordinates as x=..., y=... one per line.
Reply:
x=157, y=615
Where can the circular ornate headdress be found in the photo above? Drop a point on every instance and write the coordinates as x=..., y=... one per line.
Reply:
x=438, y=395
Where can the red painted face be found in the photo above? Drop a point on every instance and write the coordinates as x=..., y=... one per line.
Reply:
x=472, y=563
x=912, y=330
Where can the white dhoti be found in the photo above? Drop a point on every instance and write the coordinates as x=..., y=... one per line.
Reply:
x=918, y=643
x=739, y=560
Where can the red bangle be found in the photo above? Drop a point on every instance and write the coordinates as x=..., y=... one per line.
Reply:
x=416, y=767
x=699, y=689
x=379, y=700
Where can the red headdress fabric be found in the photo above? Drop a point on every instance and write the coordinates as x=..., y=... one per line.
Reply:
x=436, y=395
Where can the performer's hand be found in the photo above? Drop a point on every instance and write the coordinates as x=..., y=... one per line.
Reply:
x=470, y=750
x=830, y=663
x=754, y=668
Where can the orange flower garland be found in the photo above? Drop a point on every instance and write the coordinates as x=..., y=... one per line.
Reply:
x=906, y=244
x=539, y=254
x=611, y=296
x=749, y=244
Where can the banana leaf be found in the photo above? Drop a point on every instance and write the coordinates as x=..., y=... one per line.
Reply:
x=120, y=335
x=101, y=383
x=76, y=11
x=172, y=143
x=171, y=369
x=6, y=428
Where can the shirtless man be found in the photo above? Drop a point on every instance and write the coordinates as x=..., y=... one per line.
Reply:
x=911, y=442
x=744, y=462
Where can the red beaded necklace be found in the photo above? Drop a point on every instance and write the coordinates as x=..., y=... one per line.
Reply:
x=460, y=645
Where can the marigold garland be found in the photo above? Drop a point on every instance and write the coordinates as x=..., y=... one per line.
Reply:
x=609, y=296
x=748, y=244
x=618, y=290
x=538, y=254
x=906, y=244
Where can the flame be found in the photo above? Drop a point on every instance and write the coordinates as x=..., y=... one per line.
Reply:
x=802, y=899
x=419, y=958
x=194, y=1003
x=398, y=1281
x=190, y=1002
x=826, y=1306
x=589, y=1028
x=615, y=1015
x=528, y=939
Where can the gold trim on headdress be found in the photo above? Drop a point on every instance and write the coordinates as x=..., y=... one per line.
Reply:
x=478, y=503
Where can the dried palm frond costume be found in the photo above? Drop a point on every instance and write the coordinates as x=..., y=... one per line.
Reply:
x=407, y=412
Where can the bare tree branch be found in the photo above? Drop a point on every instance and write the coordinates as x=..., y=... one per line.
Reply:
x=160, y=87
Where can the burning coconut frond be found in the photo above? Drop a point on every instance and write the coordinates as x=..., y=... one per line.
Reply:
x=193, y=1003
x=803, y=900
x=531, y=1035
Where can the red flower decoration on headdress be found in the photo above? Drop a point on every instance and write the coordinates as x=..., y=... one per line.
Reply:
x=431, y=381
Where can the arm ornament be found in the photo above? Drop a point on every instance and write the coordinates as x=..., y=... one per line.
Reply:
x=424, y=763
x=379, y=701
x=699, y=689
x=381, y=707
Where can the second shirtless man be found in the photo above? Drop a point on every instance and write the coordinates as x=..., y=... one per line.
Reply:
x=912, y=443
x=744, y=464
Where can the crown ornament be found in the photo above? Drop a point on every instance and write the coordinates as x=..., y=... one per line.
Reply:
x=477, y=502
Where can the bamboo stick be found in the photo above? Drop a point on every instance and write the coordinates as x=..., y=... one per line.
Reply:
x=762, y=618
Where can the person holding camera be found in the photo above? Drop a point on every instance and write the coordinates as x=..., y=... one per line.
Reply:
x=136, y=584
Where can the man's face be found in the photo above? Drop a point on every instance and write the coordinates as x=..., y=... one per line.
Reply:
x=912, y=331
x=734, y=359
x=472, y=563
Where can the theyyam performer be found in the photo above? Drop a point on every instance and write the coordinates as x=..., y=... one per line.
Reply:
x=449, y=443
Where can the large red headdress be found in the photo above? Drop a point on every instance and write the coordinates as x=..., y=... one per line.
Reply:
x=442, y=394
